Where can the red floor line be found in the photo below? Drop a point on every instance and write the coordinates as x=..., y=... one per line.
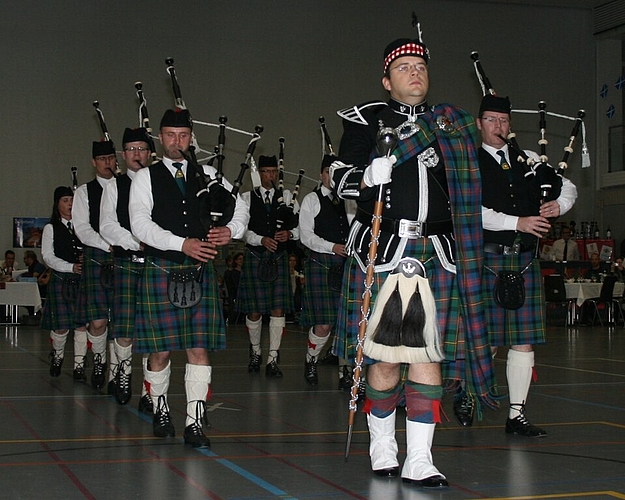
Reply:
x=66, y=470
x=166, y=462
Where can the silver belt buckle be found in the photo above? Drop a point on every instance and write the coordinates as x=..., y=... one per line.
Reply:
x=513, y=250
x=137, y=259
x=410, y=229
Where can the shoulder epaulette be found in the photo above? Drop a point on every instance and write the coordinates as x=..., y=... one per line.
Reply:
x=354, y=114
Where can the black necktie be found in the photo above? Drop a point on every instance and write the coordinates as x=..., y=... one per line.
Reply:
x=69, y=227
x=565, y=253
x=267, y=202
x=180, y=178
x=505, y=166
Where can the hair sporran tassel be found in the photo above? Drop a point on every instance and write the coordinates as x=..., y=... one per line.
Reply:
x=414, y=322
x=388, y=331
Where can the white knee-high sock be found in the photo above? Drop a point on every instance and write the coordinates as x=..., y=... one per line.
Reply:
x=315, y=344
x=113, y=360
x=58, y=343
x=254, y=329
x=197, y=379
x=144, y=363
x=519, y=373
x=98, y=345
x=80, y=347
x=123, y=355
x=159, y=384
x=276, y=329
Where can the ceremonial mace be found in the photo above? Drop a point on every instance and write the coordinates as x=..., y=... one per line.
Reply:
x=386, y=142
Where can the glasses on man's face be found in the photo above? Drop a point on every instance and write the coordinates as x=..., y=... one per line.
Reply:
x=270, y=171
x=406, y=68
x=494, y=119
x=139, y=149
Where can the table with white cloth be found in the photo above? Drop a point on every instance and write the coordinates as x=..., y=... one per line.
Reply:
x=14, y=294
x=584, y=290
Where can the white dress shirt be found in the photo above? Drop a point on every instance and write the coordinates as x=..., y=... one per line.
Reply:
x=142, y=203
x=110, y=228
x=499, y=221
x=47, y=251
x=250, y=237
x=80, y=218
x=309, y=210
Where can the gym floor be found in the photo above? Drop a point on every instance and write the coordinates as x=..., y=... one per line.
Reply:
x=280, y=438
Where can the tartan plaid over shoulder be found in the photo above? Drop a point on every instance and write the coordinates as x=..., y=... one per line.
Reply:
x=456, y=133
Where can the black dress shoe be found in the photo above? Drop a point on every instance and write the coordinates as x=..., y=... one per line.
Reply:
x=346, y=381
x=310, y=371
x=194, y=436
x=429, y=482
x=162, y=425
x=522, y=427
x=255, y=361
x=146, y=405
x=388, y=472
x=464, y=408
x=56, y=363
x=79, y=374
x=272, y=370
x=98, y=377
x=328, y=359
x=123, y=383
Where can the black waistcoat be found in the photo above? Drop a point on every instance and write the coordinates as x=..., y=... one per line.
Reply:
x=94, y=195
x=262, y=222
x=172, y=211
x=66, y=246
x=331, y=221
x=514, y=195
x=123, y=215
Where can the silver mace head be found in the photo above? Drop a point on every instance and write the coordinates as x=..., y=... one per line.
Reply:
x=386, y=140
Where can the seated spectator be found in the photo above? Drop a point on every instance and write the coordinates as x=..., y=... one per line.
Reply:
x=618, y=270
x=35, y=269
x=596, y=269
x=8, y=266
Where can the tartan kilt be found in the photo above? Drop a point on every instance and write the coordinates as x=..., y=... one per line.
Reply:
x=161, y=326
x=127, y=276
x=442, y=283
x=59, y=314
x=95, y=301
x=256, y=296
x=522, y=326
x=320, y=304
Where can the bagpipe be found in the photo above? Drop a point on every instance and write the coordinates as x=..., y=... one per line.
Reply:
x=286, y=218
x=107, y=136
x=325, y=138
x=217, y=203
x=144, y=119
x=74, y=172
x=548, y=179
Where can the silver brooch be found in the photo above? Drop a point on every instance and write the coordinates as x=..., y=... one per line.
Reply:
x=444, y=124
x=407, y=129
x=429, y=158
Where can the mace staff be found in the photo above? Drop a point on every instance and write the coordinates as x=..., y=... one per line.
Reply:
x=386, y=142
